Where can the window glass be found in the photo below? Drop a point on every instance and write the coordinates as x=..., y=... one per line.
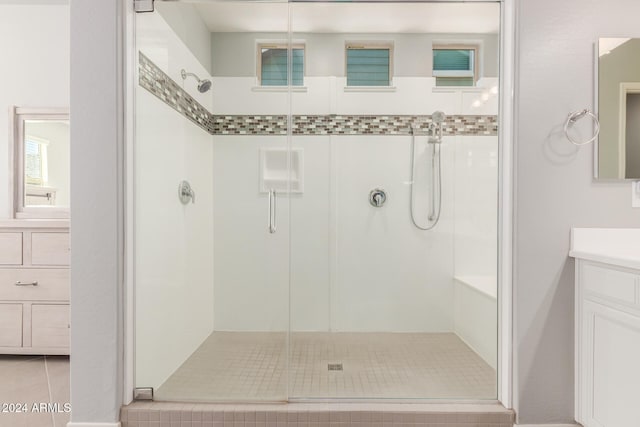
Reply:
x=274, y=61
x=33, y=161
x=454, y=67
x=368, y=67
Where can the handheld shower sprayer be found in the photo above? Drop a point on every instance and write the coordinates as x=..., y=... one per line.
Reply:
x=435, y=128
x=203, y=85
x=434, y=141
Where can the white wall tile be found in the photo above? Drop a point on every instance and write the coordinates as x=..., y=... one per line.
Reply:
x=387, y=275
x=250, y=264
x=476, y=205
x=327, y=95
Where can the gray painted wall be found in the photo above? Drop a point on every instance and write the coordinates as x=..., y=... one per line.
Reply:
x=632, y=155
x=234, y=54
x=621, y=65
x=96, y=236
x=184, y=19
x=555, y=191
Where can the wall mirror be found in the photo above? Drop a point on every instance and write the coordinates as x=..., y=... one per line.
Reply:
x=618, y=148
x=40, y=162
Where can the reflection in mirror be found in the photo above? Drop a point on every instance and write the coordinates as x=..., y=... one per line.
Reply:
x=41, y=163
x=619, y=108
x=46, y=163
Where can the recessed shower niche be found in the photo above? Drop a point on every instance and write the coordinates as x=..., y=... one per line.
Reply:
x=277, y=174
x=245, y=296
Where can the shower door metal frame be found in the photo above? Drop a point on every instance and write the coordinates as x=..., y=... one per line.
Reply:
x=508, y=71
x=506, y=137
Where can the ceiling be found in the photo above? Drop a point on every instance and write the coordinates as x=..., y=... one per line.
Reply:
x=316, y=17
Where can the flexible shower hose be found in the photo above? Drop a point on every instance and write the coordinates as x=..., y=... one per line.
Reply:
x=435, y=165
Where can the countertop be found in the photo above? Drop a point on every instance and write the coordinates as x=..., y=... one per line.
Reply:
x=616, y=246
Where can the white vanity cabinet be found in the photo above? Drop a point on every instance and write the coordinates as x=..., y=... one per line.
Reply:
x=607, y=331
x=34, y=287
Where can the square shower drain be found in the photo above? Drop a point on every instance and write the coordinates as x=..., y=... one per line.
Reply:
x=335, y=366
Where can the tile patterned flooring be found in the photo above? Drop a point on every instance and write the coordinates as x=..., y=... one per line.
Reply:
x=34, y=379
x=251, y=366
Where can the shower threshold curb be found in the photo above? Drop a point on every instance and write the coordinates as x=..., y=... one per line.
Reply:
x=321, y=414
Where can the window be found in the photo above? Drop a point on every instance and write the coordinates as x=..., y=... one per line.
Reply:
x=455, y=65
x=369, y=65
x=273, y=64
x=35, y=160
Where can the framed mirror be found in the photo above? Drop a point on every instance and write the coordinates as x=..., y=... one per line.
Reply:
x=618, y=148
x=40, y=161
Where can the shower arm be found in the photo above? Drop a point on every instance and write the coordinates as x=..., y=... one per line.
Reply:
x=184, y=74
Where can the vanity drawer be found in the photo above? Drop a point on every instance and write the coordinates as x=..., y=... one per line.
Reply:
x=10, y=325
x=50, y=249
x=49, y=325
x=10, y=248
x=609, y=283
x=52, y=284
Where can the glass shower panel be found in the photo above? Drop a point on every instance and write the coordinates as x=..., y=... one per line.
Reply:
x=393, y=238
x=212, y=201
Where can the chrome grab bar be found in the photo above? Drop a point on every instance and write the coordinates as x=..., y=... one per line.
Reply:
x=19, y=283
x=272, y=211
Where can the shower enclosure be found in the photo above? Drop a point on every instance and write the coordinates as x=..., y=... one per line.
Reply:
x=288, y=172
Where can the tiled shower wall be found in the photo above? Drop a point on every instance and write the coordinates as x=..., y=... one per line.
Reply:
x=366, y=143
x=356, y=140
x=171, y=278
x=152, y=78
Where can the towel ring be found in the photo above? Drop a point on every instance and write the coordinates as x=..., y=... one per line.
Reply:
x=574, y=117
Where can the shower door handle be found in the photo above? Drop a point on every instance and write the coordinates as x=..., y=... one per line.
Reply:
x=272, y=211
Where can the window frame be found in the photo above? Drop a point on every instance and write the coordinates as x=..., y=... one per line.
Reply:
x=369, y=45
x=451, y=73
x=281, y=44
x=18, y=116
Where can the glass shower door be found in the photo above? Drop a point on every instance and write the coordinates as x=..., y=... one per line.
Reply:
x=212, y=201
x=393, y=241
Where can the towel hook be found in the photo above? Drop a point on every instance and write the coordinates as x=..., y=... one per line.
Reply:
x=572, y=118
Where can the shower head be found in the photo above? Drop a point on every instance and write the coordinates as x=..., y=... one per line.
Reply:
x=438, y=117
x=203, y=85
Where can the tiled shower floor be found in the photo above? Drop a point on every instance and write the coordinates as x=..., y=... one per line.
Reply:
x=252, y=366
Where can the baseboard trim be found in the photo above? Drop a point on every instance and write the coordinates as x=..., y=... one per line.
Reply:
x=74, y=424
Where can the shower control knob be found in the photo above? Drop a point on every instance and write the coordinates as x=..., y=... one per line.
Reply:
x=186, y=193
x=377, y=197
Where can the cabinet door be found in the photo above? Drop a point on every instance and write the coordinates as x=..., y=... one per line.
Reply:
x=611, y=355
x=10, y=325
x=10, y=248
x=49, y=325
x=50, y=248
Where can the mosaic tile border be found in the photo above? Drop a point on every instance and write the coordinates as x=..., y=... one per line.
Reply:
x=153, y=79
x=391, y=125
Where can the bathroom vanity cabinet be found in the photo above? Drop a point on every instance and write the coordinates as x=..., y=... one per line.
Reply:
x=607, y=327
x=34, y=287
